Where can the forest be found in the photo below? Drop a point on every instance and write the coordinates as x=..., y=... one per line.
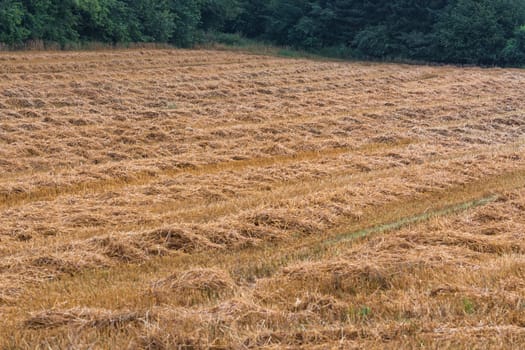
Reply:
x=481, y=32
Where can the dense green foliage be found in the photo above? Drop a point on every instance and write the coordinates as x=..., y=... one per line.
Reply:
x=460, y=31
x=112, y=21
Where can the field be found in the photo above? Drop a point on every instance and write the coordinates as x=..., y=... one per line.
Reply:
x=179, y=199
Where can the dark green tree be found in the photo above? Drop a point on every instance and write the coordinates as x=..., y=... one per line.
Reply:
x=157, y=22
x=455, y=31
x=215, y=14
x=251, y=20
x=51, y=20
x=284, y=15
x=477, y=31
x=11, y=18
x=514, y=51
x=187, y=16
x=107, y=21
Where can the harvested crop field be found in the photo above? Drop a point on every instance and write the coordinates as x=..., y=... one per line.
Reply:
x=165, y=199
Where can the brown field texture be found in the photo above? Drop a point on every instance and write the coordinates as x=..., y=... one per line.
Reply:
x=193, y=199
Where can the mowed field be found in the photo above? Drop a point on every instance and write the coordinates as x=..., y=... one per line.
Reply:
x=178, y=199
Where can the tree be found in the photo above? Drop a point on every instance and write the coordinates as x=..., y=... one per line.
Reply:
x=157, y=22
x=472, y=31
x=456, y=31
x=51, y=20
x=107, y=21
x=187, y=16
x=251, y=20
x=375, y=41
x=215, y=14
x=514, y=51
x=284, y=15
x=11, y=18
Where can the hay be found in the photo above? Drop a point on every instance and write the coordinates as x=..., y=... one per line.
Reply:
x=219, y=167
x=208, y=281
x=179, y=239
x=240, y=312
x=115, y=249
x=325, y=306
x=283, y=221
x=340, y=275
x=82, y=318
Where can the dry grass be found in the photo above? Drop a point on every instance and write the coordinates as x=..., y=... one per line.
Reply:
x=80, y=317
x=159, y=199
x=192, y=286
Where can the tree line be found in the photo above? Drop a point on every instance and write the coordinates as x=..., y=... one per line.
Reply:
x=483, y=32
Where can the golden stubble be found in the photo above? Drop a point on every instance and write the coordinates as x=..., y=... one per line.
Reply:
x=197, y=199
